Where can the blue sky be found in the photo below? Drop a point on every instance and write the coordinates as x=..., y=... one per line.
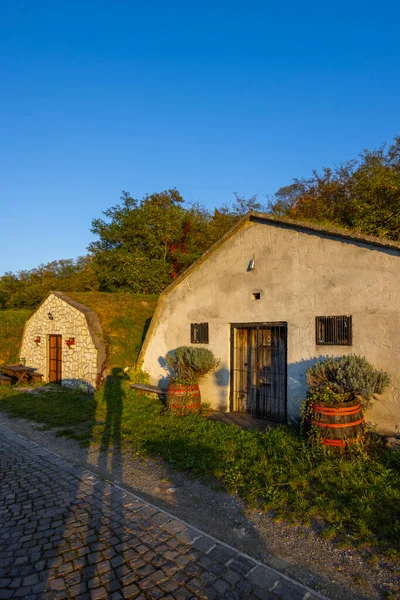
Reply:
x=98, y=96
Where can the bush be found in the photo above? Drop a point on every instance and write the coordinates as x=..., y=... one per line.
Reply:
x=351, y=374
x=190, y=364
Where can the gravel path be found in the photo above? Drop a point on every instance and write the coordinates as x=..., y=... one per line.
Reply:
x=297, y=552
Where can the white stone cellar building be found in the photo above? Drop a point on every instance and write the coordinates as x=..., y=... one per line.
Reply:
x=63, y=340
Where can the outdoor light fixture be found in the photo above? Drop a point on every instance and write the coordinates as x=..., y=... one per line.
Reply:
x=50, y=315
x=37, y=340
x=252, y=264
x=70, y=342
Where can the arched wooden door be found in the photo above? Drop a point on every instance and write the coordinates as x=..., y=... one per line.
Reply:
x=55, y=358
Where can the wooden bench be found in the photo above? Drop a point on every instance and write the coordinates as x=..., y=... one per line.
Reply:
x=145, y=388
x=4, y=380
x=36, y=377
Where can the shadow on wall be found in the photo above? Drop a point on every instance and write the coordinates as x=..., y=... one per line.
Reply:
x=296, y=384
x=163, y=381
x=221, y=379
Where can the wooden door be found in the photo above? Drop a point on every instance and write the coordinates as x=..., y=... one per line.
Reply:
x=55, y=358
x=259, y=370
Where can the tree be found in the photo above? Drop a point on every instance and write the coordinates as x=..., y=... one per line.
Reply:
x=28, y=288
x=137, y=242
x=144, y=244
x=362, y=194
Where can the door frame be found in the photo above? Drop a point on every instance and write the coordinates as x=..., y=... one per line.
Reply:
x=50, y=335
x=284, y=326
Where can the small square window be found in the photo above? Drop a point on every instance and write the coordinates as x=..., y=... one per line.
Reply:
x=256, y=296
x=199, y=333
x=334, y=331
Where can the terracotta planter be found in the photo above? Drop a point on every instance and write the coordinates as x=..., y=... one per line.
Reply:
x=339, y=425
x=183, y=398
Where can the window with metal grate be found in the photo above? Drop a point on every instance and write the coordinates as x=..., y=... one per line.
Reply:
x=199, y=333
x=334, y=331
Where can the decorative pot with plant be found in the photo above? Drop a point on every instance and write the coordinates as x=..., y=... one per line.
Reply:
x=340, y=390
x=189, y=365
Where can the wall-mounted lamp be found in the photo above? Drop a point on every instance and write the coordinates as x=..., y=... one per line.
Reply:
x=50, y=315
x=37, y=340
x=252, y=264
x=70, y=342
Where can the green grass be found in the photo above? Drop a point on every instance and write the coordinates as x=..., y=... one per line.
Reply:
x=124, y=318
x=54, y=409
x=354, y=498
x=11, y=327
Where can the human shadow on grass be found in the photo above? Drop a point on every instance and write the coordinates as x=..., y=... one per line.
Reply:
x=77, y=528
x=97, y=544
x=203, y=502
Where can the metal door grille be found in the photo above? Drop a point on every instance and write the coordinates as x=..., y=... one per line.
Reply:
x=259, y=369
x=333, y=331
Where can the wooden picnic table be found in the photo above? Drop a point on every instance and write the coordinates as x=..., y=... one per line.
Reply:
x=22, y=373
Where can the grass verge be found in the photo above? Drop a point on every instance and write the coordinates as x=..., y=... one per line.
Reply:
x=354, y=497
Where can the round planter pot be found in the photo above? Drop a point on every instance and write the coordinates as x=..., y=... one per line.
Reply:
x=183, y=398
x=338, y=425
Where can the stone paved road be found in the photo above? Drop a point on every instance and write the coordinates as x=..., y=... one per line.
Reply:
x=65, y=533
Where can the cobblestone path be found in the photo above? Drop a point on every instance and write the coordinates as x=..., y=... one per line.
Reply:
x=65, y=533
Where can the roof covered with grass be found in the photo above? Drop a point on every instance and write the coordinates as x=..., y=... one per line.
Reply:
x=124, y=319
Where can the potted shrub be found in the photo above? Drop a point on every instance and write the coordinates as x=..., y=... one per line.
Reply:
x=188, y=365
x=340, y=390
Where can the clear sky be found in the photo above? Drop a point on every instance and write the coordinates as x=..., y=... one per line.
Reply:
x=210, y=97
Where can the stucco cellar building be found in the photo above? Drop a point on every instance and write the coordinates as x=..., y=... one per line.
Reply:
x=271, y=298
x=63, y=340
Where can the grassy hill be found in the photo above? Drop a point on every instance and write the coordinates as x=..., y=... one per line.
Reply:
x=124, y=318
x=12, y=323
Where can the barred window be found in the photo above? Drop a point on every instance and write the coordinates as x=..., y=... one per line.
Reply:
x=334, y=331
x=199, y=333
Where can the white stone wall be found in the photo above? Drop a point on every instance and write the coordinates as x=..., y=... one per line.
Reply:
x=79, y=364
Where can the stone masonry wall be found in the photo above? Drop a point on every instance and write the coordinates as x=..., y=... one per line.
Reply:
x=79, y=365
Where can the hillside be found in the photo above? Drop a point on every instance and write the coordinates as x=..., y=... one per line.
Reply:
x=11, y=327
x=124, y=319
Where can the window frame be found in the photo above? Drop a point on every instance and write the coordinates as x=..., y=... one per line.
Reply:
x=199, y=333
x=337, y=330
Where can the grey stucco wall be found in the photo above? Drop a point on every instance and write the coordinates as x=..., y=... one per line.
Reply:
x=300, y=275
x=81, y=365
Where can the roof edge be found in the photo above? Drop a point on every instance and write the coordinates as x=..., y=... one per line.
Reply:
x=277, y=221
x=346, y=234
x=74, y=303
x=177, y=281
x=301, y=225
x=207, y=253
